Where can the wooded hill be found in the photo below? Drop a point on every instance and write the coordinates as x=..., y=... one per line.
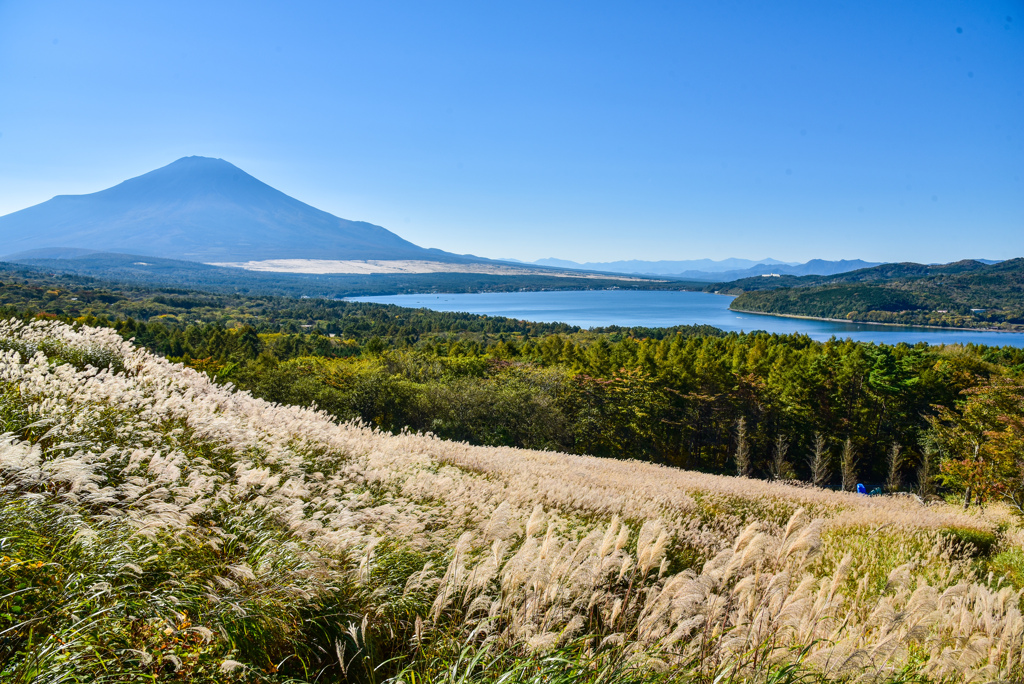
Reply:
x=965, y=294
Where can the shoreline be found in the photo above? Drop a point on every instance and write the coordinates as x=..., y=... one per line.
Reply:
x=892, y=325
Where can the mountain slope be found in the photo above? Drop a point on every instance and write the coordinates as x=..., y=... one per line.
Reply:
x=202, y=209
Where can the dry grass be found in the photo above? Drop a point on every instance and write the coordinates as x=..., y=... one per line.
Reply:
x=532, y=550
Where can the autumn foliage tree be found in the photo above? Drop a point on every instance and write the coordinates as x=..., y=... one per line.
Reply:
x=982, y=442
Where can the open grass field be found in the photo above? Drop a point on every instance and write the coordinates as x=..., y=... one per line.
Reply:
x=155, y=526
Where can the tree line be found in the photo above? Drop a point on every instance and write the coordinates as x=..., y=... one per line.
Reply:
x=836, y=413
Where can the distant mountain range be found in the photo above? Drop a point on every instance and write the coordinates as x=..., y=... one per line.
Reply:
x=662, y=267
x=713, y=271
x=206, y=210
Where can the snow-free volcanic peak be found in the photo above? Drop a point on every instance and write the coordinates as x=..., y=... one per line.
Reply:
x=201, y=209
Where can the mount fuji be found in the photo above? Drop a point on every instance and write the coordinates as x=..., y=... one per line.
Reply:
x=206, y=210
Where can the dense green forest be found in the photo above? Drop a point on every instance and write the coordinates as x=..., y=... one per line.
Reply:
x=967, y=294
x=689, y=396
x=679, y=400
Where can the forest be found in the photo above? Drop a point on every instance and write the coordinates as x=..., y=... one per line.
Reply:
x=769, y=406
x=964, y=294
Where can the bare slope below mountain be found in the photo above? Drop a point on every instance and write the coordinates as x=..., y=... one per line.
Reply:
x=202, y=209
x=133, y=270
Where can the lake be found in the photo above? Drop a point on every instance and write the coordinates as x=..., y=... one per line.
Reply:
x=653, y=308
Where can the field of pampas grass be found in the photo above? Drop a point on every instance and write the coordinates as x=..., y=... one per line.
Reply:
x=157, y=526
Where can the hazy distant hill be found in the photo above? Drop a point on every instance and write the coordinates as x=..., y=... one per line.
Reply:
x=201, y=209
x=714, y=271
x=663, y=267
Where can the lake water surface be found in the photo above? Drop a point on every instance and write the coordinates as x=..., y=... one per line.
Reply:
x=591, y=308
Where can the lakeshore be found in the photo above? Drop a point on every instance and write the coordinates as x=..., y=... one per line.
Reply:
x=1016, y=331
x=661, y=309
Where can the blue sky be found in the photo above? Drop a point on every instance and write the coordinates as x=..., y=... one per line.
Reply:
x=587, y=131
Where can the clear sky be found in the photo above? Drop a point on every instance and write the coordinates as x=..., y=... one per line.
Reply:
x=587, y=131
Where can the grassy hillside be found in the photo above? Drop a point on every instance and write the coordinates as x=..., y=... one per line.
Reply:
x=963, y=294
x=156, y=526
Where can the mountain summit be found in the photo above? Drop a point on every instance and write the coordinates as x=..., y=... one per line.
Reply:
x=201, y=209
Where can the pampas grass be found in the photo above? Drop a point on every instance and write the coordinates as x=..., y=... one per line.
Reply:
x=155, y=524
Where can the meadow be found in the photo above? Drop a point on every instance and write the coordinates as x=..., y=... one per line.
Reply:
x=155, y=525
